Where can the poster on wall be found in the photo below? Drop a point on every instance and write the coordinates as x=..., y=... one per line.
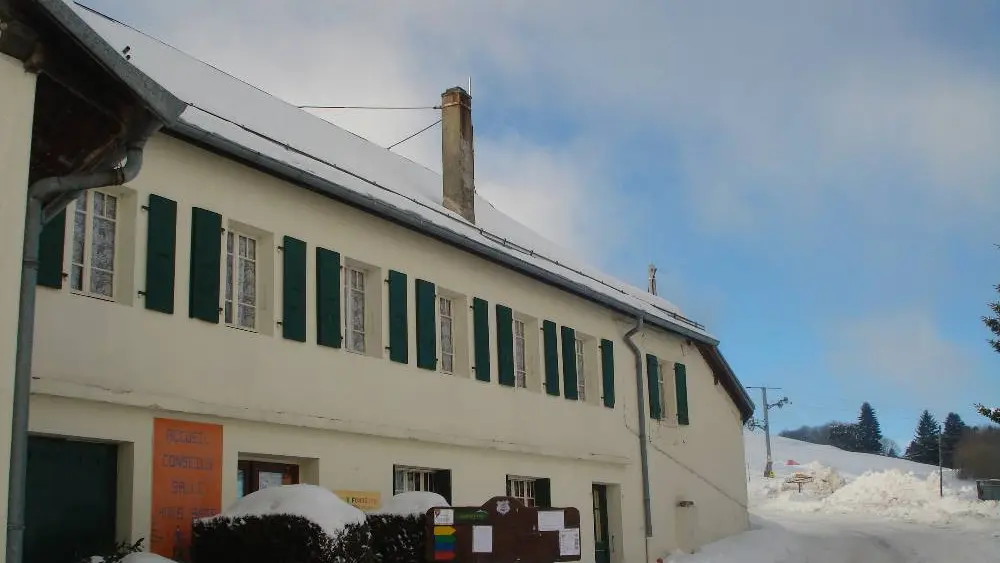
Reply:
x=187, y=482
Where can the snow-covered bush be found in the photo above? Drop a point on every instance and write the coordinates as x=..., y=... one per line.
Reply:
x=287, y=524
x=398, y=528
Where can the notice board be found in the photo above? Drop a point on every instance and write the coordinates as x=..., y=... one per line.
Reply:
x=187, y=482
x=502, y=531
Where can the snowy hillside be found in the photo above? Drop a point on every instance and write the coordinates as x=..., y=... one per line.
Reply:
x=854, y=507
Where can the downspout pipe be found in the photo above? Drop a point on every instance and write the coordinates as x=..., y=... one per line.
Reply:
x=647, y=516
x=60, y=190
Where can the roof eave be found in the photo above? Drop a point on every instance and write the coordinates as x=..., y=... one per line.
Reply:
x=160, y=102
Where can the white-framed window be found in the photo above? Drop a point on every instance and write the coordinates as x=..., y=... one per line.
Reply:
x=410, y=479
x=95, y=229
x=354, y=309
x=523, y=489
x=520, y=364
x=581, y=373
x=446, y=319
x=240, y=306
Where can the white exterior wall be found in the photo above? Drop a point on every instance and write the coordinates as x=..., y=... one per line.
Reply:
x=104, y=370
x=17, y=102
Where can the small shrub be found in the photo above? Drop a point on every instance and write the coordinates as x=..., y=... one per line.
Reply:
x=276, y=538
x=397, y=539
x=120, y=551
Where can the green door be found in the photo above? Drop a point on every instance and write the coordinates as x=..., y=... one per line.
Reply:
x=70, y=500
x=602, y=548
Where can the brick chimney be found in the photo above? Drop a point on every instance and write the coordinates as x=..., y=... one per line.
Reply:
x=456, y=153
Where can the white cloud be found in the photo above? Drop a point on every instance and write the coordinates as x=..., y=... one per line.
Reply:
x=905, y=356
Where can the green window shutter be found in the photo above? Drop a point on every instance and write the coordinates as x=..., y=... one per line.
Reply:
x=608, y=372
x=680, y=383
x=328, y=298
x=653, y=381
x=399, y=340
x=481, y=338
x=206, y=261
x=569, y=363
x=426, y=325
x=293, y=294
x=505, y=345
x=543, y=493
x=161, y=254
x=50, y=252
x=551, y=345
x=442, y=483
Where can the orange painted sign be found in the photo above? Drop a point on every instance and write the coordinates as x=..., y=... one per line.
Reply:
x=187, y=482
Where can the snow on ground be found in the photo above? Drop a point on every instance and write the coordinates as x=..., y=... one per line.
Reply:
x=411, y=504
x=314, y=503
x=857, y=508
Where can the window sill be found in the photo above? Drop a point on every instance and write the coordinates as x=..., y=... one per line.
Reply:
x=97, y=296
x=243, y=328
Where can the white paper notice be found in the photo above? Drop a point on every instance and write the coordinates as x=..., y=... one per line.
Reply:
x=550, y=520
x=569, y=541
x=444, y=517
x=482, y=539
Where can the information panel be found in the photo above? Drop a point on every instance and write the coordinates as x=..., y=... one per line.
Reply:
x=187, y=482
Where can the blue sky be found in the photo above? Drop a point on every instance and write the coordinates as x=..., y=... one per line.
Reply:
x=816, y=181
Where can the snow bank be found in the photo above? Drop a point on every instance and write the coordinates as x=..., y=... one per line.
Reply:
x=145, y=558
x=411, y=504
x=905, y=496
x=313, y=503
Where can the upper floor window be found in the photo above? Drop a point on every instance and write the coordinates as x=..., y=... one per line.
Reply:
x=95, y=226
x=520, y=363
x=355, y=309
x=447, y=322
x=581, y=379
x=240, y=308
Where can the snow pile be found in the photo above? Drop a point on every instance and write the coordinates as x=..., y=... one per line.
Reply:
x=313, y=503
x=413, y=503
x=145, y=558
x=905, y=496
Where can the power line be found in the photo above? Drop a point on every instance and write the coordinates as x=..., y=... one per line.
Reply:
x=413, y=135
x=369, y=107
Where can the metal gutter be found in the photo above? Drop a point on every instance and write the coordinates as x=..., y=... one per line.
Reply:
x=647, y=511
x=44, y=196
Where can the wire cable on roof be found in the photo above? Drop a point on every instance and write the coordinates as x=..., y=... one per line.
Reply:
x=413, y=135
x=370, y=107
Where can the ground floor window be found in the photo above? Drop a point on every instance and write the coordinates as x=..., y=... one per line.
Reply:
x=409, y=479
x=253, y=476
x=522, y=488
x=530, y=491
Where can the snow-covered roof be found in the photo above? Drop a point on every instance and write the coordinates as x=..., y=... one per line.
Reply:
x=248, y=123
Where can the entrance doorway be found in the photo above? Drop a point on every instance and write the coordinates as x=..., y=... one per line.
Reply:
x=70, y=500
x=602, y=546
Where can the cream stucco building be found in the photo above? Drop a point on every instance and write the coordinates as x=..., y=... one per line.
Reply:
x=274, y=300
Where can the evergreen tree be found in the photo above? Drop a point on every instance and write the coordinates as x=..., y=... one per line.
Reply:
x=844, y=436
x=869, y=432
x=924, y=447
x=993, y=323
x=954, y=428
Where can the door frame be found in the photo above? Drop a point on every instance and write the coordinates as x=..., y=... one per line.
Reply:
x=599, y=510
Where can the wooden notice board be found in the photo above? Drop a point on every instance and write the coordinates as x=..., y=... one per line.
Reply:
x=187, y=482
x=502, y=531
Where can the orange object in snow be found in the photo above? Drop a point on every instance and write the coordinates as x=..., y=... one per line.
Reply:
x=791, y=462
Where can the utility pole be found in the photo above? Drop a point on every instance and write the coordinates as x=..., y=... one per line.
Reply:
x=769, y=467
x=941, y=464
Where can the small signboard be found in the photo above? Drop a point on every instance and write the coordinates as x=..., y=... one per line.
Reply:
x=502, y=531
x=362, y=500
